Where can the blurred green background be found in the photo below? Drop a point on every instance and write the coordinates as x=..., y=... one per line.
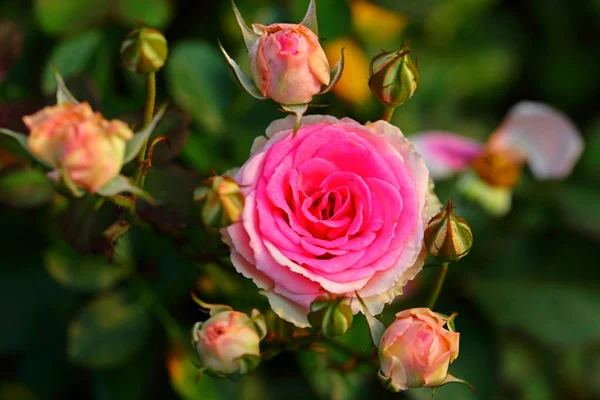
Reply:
x=74, y=325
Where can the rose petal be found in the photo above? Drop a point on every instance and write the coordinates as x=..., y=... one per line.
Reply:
x=544, y=136
x=445, y=153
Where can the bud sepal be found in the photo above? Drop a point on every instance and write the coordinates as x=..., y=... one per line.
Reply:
x=331, y=317
x=448, y=237
x=394, y=78
x=144, y=50
x=222, y=201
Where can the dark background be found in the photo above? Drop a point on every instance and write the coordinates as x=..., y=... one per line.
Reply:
x=527, y=296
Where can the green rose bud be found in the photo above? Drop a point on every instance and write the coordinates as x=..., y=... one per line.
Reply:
x=331, y=318
x=394, y=77
x=223, y=201
x=144, y=50
x=448, y=237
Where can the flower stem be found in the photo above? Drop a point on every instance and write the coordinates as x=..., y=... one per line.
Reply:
x=342, y=347
x=148, y=114
x=438, y=284
x=158, y=308
x=387, y=113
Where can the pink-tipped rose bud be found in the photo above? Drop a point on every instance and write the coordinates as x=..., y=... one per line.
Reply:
x=228, y=342
x=288, y=64
x=416, y=349
x=86, y=147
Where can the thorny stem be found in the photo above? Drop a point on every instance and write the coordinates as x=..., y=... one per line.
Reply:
x=387, y=113
x=438, y=284
x=148, y=114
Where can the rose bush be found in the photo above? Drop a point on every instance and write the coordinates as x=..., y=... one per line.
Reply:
x=336, y=208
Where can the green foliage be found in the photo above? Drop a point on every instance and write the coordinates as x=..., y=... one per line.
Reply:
x=26, y=188
x=109, y=330
x=86, y=272
x=200, y=83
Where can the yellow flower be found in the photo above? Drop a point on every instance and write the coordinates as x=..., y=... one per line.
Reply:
x=353, y=86
x=376, y=24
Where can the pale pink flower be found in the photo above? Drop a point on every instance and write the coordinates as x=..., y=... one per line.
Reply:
x=416, y=350
x=228, y=342
x=288, y=64
x=336, y=208
x=531, y=133
x=88, y=149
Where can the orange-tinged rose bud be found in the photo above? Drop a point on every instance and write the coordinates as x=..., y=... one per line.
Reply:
x=87, y=148
x=288, y=63
x=223, y=201
x=416, y=350
x=448, y=237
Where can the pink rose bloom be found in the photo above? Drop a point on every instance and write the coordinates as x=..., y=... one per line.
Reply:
x=288, y=64
x=227, y=342
x=531, y=133
x=81, y=143
x=416, y=349
x=337, y=208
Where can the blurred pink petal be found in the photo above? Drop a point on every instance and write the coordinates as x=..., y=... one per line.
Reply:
x=543, y=136
x=445, y=153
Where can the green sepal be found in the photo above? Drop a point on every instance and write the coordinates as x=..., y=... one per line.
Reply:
x=259, y=323
x=248, y=363
x=134, y=146
x=250, y=37
x=213, y=309
x=336, y=73
x=22, y=140
x=244, y=80
x=452, y=379
x=122, y=184
x=63, y=95
x=298, y=110
x=376, y=327
x=310, y=18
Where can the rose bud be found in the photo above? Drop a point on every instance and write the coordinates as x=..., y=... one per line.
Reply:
x=144, y=50
x=287, y=62
x=416, y=349
x=228, y=342
x=86, y=149
x=448, y=237
x=394, y=77
x=330, y=317
x=223, y=201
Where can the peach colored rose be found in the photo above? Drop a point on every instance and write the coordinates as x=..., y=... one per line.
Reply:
x=288, y=64
x=227, y=342
x=336, y=208
x=81, y=143
x=416, y=349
